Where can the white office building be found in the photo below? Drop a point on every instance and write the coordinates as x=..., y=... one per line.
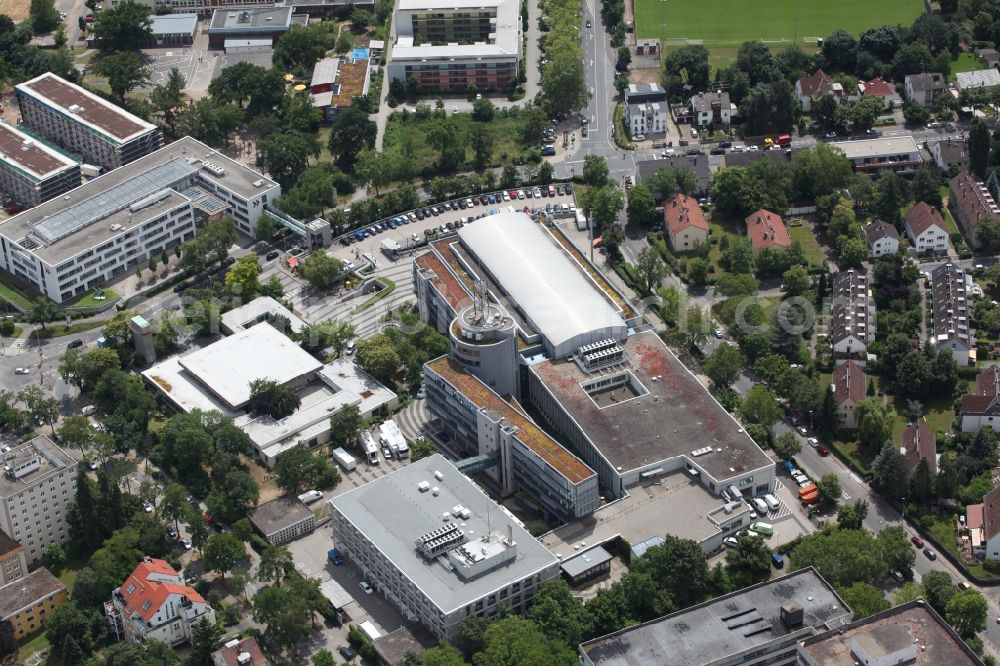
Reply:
x=37, y=486
x=430, y=540
x=105, y=228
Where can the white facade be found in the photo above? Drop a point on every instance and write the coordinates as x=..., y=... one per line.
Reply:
x=711, y=107
x=33, y=506
x=883, y=247
x=647, y=117
x=933, y=239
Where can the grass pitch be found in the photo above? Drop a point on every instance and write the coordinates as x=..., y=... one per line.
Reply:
x=729, y=23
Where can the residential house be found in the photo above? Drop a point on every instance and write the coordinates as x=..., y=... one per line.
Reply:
x=809, y=89
x=28, y=602
x=883, y=239
x=13, y=563
x=951, y=289
x=237, y=652
x=879, y=87
x=766, y=229
x=970, y=200
x=711, y=108
x=646, y=108
x=982, y=408
x=950, y=153
x=697, y=164
x=926, y=229
x=850, y=384
x=978, y=79
x=983, y=523
x=989, y=57
x=918, y=443
x=685, y=223
x=852, y=316
x=155, y=603
x=925, y=89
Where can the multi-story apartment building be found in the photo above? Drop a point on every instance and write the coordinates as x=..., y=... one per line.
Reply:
x=13, y=564
x=925, y=89
x=37, y=486
x=83, y=123
x=926, y=229
x=30, y=171
x=70, y=245
x=852, y=314
x=875, y=156
x=646, y=108
x=154, y=603
x=685, y=223
x=711, y=107
x=454, y=44
x=429, y=540
x=970, y=200
x=27, y=603
x=883, y=239
x=951, y=323
x=850, y=384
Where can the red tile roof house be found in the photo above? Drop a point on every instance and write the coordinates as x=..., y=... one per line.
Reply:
x=154, y=602
x=879, y=87
x=850, y=384
x=917, y=443
x=982, y=408
x=685, y=223
x=983, y=523
x=766, y=229
x=926, y=229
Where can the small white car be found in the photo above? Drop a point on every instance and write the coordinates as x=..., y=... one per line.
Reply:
x=368, y=589
x=639, y=137
x=186, y=543
x=813, y=442
x=147, y=507
x=731, y=543
x=22, y=371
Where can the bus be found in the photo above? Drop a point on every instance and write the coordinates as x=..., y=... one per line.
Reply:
x=763, y=529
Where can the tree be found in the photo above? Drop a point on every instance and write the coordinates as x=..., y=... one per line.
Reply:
x=325, y=658
x=821, y=170
x=760, y=406
x=926, y=186
x=787, y=445
x=124, y=72
x=422, y=447
x=43, y=15
x=889, y=471
x=298, y=469
x=641, y=206
x=557, y=613
x=677, y=565
x=168, y=97
x=222, y=552
x=287, y=614
x=723, y=365
x=988, y=234
x=41, y=407
x=54, y=557
x=206, y=638
x=241, y=279
x=516, y=640
x=940, y=589
x=321, y=270
x=851, y=516
x=8, y=643
x=966, y=612
x=274, y=562
x=482, y=146
x=564, y=86
x=686, y=65
x=42, y=311
x=449, y=141
x=650, y=269
x=287, y=154
x=829, y=489
x=302, y=46
x=350, y=132
x=738, y=256
x=595, y=170
x=174, y=505
x=874, y=422
x=864, y=599
x=378, y=357
x=125, y=27
x=796, y=280
x=546, y=172
x=842, y=557
x=270, y=397
x=979, y=148
x=750, y=561
x=915, y=113
x=697, y=271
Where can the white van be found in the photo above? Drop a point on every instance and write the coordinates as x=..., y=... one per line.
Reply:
x=310, y=496
x=772, y=502
x=89, y=410
x=761, y=507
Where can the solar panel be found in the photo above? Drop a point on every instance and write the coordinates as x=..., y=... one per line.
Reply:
x=71, y=219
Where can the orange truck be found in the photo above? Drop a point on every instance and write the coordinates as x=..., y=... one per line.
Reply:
x=805, y=490
x=811, y=498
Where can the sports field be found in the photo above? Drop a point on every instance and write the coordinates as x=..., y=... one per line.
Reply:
x=729, y=23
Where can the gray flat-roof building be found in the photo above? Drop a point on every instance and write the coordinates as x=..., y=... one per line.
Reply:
x=248, y=23
x=761, y=624
x=30, y=171
x=83, y=123
x=108, y=226
x=437, y=547
x=37, y=486
x=589, y=564
x=912, y=633
x=283, y=519
x=174, y=29
x=878, y=155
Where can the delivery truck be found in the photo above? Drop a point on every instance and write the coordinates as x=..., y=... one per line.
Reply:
x=369, y=446
x=344, y=459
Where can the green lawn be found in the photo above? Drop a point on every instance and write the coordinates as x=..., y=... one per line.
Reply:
x=805, y=236
x=729, y=23
x=59, y=330
x=410, y=138
x=35, y=643
x=90, y=300
x=965, y=62
x=943, y=529
x=12, y=294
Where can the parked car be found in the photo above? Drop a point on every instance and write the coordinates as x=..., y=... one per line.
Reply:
x=365, y=587
x=639, y=137
x=802, y=431
x=917, y=541
x=813, y=442
x=346, y=652
x=22, y=371
x=730, y=542
x=186, y=543
x=823, y=451
x=75, y=344
x=930, y=554
x=272, y=255
x=897, y=576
